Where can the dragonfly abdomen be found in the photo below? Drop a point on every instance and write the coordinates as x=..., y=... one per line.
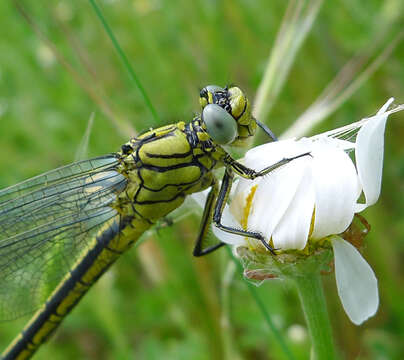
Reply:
x=114, y=238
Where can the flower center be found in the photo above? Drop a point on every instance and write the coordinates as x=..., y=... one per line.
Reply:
x=247, y=212
x=247, y=207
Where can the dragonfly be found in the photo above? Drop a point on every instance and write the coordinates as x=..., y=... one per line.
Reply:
x=62, y=230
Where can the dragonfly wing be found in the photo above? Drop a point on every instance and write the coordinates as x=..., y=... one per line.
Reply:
x=45, y=225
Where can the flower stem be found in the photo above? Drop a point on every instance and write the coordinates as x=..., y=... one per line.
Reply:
x=311, y=295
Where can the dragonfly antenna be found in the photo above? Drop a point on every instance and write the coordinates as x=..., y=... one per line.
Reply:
x=267, y=130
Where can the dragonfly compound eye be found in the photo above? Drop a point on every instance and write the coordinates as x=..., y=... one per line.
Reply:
x=220, y=125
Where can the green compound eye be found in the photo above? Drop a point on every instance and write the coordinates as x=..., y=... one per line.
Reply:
x=220, y=125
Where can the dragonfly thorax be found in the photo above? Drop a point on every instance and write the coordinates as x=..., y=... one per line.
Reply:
x=165, y=165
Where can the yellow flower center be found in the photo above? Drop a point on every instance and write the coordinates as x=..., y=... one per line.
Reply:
x=247, y=211
x=247, y=208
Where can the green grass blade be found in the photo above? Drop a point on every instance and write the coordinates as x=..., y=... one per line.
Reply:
x=296, y=25
x=124, y=59
x=82, y=150
x=350, y=78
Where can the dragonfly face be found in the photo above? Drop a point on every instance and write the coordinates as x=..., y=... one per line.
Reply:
x=234, y=102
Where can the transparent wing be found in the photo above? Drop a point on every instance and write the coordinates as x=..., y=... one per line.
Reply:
x=46, y=223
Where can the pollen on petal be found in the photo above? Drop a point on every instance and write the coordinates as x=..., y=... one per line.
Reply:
x=313, y=219
x=247, y=208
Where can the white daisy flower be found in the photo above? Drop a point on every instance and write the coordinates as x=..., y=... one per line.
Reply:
x=314, y=198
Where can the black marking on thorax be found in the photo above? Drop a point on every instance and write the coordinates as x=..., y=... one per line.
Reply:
x=169, y=156
x=191, y=131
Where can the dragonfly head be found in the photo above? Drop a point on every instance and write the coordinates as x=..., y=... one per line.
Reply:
x=226, y=113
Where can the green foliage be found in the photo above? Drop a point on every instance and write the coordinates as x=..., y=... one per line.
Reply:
x=157, y=301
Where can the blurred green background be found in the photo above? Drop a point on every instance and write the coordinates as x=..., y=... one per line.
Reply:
x=158, y=301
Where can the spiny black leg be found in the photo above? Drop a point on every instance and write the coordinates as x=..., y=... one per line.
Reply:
x=251, y=174
x=220, y=204
x=202, y=252
x=205, y=223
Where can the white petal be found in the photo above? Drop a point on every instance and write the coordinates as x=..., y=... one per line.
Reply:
x=339, y=143
x=276, y=190
x=274, y=195
x=336, y=190
x=356, y=282
x=267, y=154
x=259, y=158
x=384, y=108
x=293, y=229
x=228, y=238
x=369, y=155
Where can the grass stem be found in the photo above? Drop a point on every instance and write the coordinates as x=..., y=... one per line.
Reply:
x=125, y=60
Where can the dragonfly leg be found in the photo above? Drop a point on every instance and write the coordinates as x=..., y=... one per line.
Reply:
x=216, y=202
x=220, y=204
x=199, y=250
x=251, y=174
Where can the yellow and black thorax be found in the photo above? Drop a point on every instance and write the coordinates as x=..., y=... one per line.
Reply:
x=164, y=165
